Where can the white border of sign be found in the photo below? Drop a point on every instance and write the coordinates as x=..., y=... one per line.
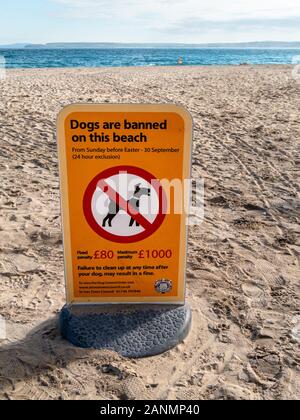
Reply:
x=64, y=202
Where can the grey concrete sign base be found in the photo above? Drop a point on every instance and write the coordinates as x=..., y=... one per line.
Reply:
x=131, y=330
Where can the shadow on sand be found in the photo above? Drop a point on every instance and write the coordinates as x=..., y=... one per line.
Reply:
x=42, y=350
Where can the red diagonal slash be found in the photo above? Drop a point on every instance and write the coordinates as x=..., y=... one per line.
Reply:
x=124, y=205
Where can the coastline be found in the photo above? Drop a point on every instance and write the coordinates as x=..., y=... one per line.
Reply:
x=176, y=66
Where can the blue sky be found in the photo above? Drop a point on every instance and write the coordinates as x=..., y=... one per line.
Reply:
x=190, y=21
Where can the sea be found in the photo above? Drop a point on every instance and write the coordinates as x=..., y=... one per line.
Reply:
x=124, y=57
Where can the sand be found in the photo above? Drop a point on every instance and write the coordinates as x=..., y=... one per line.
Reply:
x=243, y=261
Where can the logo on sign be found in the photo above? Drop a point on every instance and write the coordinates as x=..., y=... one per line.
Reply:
x=163, y=286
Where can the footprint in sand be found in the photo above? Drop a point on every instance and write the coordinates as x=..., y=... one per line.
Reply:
x=251, y=290
x=296, y=328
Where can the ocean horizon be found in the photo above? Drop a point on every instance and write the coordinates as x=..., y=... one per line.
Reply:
x=127, y=57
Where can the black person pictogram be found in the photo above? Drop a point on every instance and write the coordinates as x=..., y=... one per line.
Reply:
x=134, y=202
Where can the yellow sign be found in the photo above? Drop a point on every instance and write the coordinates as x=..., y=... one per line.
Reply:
x=125, y=230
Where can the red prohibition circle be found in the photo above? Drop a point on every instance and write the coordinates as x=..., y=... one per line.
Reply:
x=87, y=204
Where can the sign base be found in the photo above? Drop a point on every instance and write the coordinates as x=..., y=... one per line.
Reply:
x=131, y=330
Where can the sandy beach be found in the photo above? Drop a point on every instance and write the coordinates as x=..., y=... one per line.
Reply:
x=243, y=261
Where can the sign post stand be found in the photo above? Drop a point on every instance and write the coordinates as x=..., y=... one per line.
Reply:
x=124, y=211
